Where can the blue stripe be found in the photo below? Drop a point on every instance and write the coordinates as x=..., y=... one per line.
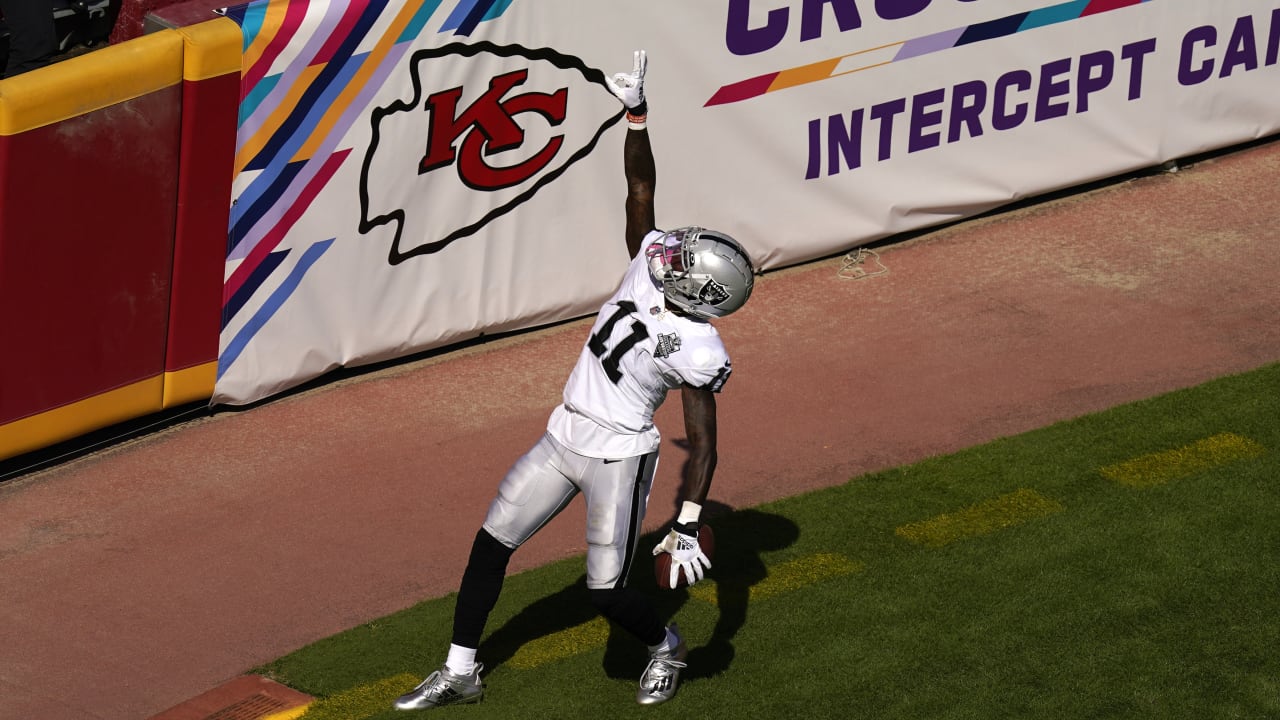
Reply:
x=254, y=14
x=257, y=200
x=474, y=17
x=1054, y=14
x=251, y=285
x=236, y=13
x=498, y=8
x=458, y=16
x=271, y=306
x=992, y=29
x=419, y=21
x=255, y=97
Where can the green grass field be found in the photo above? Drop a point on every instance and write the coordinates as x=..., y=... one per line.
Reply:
x=1121, y=565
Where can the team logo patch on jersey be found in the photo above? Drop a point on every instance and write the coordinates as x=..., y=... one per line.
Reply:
x=713, y=293
x=667, y=344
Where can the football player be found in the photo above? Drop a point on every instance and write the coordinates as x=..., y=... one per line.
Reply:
x=651, y=337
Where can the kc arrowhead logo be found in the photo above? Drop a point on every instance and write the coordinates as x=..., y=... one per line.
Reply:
x=490, y=123
x=495, y=124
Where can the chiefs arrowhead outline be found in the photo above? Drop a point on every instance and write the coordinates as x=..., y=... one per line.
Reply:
x=564, y=62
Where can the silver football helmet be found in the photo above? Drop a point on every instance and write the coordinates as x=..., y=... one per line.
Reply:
x=704, y=273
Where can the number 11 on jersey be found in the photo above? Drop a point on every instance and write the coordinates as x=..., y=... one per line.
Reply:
x=599, y=341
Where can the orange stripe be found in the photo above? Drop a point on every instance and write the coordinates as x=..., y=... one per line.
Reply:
x=804, y=74
x=259, y=140
x=823, y=70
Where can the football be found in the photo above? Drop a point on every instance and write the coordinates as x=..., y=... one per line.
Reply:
x=662, y=561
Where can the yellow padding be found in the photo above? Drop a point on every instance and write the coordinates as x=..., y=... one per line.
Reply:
x=190, y=384
x=69, y=421
x=98, y=79
x=213, y=48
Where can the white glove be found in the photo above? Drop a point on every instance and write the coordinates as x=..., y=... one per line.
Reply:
x=629, y=87
x=686, y=554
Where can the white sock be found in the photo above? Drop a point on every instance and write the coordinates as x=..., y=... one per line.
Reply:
x=462, y=660
x=667, y=645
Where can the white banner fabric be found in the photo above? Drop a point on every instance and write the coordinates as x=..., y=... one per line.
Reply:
x=415, y=174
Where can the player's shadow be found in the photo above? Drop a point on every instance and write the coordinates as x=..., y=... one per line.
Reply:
x=741, y=537
x=562, y=610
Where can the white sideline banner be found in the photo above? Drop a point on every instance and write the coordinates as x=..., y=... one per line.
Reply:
x=410, y=175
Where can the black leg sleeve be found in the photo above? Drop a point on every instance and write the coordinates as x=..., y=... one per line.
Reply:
x=481, y=585
x=632, y=612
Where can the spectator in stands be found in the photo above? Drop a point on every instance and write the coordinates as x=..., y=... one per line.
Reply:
x=32, y=41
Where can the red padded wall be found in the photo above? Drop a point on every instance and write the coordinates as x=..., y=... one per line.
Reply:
x=86, y=235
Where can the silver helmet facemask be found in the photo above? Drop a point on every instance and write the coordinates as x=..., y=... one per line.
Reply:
x=704, y=273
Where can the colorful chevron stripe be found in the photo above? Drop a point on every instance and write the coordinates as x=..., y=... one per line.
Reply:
x=470, y=13
x=273, y=303
x=904, y=50
x=310, y=69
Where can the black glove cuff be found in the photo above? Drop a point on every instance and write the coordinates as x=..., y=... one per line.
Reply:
x=640, y=110
x=687, y=528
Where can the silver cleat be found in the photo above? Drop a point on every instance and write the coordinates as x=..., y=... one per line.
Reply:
x=659, y=682
x=441, y=688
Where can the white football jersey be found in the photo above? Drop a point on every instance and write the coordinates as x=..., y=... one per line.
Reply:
x=637, y=351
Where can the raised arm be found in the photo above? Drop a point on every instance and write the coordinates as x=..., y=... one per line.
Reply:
x=637, y=154
x=637, y=161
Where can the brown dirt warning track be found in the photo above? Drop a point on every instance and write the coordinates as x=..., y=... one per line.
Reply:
x=139, y=577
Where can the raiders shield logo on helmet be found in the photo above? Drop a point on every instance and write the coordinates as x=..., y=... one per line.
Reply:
x=713, y=293
x=715, y=275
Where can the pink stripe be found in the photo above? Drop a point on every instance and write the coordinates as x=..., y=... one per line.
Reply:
x=742, y=90
x=277, y=233
x=339, y=35
x=288, y=28
x=1101, y=6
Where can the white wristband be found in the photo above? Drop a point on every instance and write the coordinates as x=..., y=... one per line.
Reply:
x=689, y=513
